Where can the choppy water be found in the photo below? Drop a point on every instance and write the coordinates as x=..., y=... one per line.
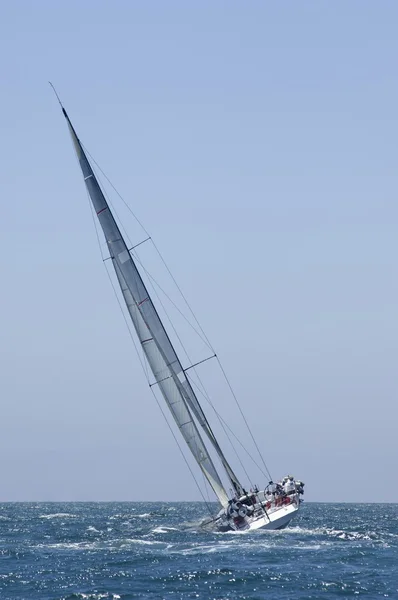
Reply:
x=155, y=551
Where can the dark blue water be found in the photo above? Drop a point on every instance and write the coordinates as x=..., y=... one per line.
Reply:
x=155, y=551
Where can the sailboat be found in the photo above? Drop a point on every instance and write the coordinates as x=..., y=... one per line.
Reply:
x=276, y=504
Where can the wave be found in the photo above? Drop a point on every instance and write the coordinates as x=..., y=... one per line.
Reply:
x=138, y=541
x=93, y=596
x=336, y=533
x=58, y=516
x=164, y=529
x=351, y=535
x=99, y=544
x=201, y=549
x=69, y=546
x=134, y=516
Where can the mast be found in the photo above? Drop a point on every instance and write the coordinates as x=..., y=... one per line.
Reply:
x=157, y=347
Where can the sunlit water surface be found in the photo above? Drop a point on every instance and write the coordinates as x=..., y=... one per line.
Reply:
x=156, y=550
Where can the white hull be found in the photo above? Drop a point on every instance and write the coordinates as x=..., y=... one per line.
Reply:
x=279, y=519
x=276, y=518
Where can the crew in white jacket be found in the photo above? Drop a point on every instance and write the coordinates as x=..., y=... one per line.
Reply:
x=290, y=486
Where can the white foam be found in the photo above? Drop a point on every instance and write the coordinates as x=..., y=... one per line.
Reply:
x=139, y=541
x=164, y=529
x=203, y=549
x=100, y=596
x=58, y=516
x=70, y=546
x=335, y=533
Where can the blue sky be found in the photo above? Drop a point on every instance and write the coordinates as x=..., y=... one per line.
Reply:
x=256, y=141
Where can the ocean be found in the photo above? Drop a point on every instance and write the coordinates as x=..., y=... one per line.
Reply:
x=122, y=550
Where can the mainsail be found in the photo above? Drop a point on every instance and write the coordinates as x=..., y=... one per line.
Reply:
x=157, y=347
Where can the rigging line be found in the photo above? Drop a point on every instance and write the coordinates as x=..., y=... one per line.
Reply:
x=156, y=248
x=55, y=92
x=103, y=189
x=139, y=244
x=224, y=426
x=206, y=487
x=183, y=297
x=118, y=193
x=199, y=363
x=204, y=338
x=190, y=310
x=193, y=366
x=153, y=280
x=218, y=360
x=145, y=370
x=156, y=399
x=110, y=203
x=223, y=422
x=243, y=416
x=183, y=455
x=186, y=353
x=201, y=336
x=204, y=393
x=162, y=305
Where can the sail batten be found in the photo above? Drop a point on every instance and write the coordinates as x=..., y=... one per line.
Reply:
x=157, y=347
